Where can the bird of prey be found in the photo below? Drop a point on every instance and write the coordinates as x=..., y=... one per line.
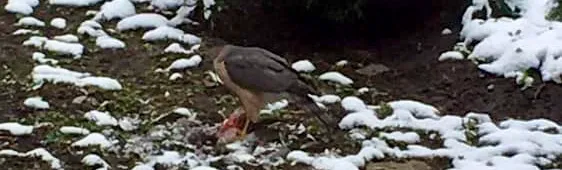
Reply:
x=250, y=72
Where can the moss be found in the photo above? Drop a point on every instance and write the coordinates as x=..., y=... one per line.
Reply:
x=555, y=13
x=471, y=132
x=384, y=111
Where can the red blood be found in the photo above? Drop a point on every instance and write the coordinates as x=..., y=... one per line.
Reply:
x=232, y=126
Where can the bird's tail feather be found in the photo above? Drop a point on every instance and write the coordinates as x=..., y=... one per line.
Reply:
x=310, y=106
x=301, y=90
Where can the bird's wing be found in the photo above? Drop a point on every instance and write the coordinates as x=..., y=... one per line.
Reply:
x=259, y=70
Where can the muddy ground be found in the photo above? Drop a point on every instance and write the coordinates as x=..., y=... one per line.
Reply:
x=455, y=87
x=406, y=41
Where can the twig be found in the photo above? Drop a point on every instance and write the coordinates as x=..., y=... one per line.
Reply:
x=539, y=90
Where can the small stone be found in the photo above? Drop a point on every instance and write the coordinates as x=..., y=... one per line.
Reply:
x=490, y=87
x=79, y=99
x=372, y=69
x=446, y=31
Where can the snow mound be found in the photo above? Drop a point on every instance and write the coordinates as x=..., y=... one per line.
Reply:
x=177, y=48
x=183, y=63
x=451, y=55
x=326, y=99
x=166, y=4
x=30, y=21
x=514, y=144
x=303, y=66
x=59, y=23
x=69, y=38
x=45, y=73
x=39, y=152
x=109, y=42
x=25, y=31
x=94, y=160
x=190, y=39
x=163, y=33
x=116, y=9
x=42, y=58
x=91, y=28
x=36, y=41
x=183, y=111
x=336, y=77
x=19, y=7
x=507, y=45
x=144, y=20
x=408, y=137
x=16, y=128
x=74, y=130
x=60, y=47
x=175, y=76
x=101, y=118
x=74, y=2
x=36, y=102
x=271, y=107
x=93, y=139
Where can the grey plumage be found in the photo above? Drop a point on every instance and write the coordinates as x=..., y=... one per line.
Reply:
x=260, y=70
x=251, y=71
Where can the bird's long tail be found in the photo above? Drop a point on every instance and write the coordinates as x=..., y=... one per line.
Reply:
x=301, y=91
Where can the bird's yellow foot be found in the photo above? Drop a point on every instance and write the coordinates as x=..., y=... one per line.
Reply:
x=244, y=131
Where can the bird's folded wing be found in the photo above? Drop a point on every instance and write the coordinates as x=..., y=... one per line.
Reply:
x=259, y=71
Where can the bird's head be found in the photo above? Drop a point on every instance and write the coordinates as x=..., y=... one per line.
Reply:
x=214, y=47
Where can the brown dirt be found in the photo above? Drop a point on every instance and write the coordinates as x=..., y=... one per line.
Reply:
x=456, y=87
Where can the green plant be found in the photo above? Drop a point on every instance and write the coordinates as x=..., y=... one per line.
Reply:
x=555, y=13
x=384, y=110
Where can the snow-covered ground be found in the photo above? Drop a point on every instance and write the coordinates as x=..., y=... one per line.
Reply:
x=512, y=47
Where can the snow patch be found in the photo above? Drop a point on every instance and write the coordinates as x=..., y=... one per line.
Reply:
x=59, y=23
x=144, y=20
x=60, y=47
x=408, y=137
x=19, y=7
x=101, y=118
x=107, y=42
x=25, y=31
x=30, y=21
x=303, y=66
x=446, y=31
x=93, y=139
x=175, y=76
x=163, y=33
x=39, y=152
x=336, y=77
x=94, y=160
x=35, y=41
x=69, y=38
x=451, y=55
x=116, y=9
x=42, y=58
x=36, y=102
x=45, y=73
x=91, y=28
x=177, y=48
x=16, y=128
x=74, y=130
x=183, y=63
x=74, y=2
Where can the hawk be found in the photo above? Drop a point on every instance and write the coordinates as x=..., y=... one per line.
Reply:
x=249, y=73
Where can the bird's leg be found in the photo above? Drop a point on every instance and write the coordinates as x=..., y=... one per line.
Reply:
x=245, y=129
